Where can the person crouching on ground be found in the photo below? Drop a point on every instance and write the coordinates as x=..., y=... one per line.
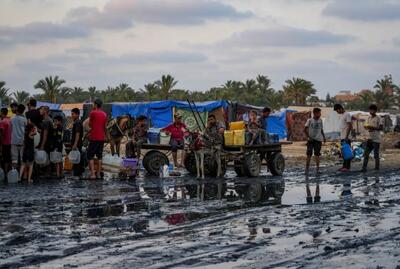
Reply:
x=315, y=136
x=177, y=130
x=374, y=125
x=139, y=137
x=76, y=142
x=254, y=128
x=97, y=136
x=345, y=130
x=58, y=141
x=28, y=154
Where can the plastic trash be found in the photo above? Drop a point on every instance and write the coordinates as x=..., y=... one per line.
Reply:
x=347, y=153
x=56, y=157
x=13, y=176
x=74, y=156
x=2, y=175
x=41, y=157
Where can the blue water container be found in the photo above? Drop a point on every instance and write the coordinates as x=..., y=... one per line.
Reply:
x=347, y=153
x=153, y=138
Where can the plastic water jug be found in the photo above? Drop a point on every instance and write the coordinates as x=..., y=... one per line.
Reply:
x=74, y=156
x=41, y=157
x=56, y=157
x=13, y=176
x=2, y=174
x=347, y=153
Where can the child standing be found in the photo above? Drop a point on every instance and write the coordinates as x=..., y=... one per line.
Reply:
x=315, y=136
x=58, y=141
x=374, y=125
x=28, y=154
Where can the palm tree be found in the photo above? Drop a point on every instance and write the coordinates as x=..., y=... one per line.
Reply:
x=92, y=92
x=166, y=85
x=51, y=87
x=297, y=90
x=386, y=84
x=4, y=96
x=150, y=91
x=249, y=90
x=21, y=97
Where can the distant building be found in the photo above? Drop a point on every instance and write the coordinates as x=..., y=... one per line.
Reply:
x=348, y=96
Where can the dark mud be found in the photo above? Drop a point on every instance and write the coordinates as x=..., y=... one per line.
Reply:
x=329, y=221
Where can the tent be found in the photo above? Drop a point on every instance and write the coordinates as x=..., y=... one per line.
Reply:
x=66, y=108
x=160, y=113
x=50, y=105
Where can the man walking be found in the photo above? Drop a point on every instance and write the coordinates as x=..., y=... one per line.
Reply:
x=5, y=138
x=76, y=141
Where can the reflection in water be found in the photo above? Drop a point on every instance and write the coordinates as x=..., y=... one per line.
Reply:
x=309, y=197
x=153, y=196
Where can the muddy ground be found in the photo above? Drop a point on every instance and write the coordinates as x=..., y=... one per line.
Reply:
x=264, y=222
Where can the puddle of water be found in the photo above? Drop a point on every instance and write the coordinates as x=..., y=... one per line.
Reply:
x=295, y=195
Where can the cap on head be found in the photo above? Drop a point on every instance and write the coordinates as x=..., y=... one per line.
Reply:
x=178, y=115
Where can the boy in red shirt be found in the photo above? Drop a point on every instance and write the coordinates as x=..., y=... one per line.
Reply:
x=97, y=124
x=177, y=130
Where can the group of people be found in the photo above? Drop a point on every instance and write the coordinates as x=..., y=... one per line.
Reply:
x=32, y=128
x=315, y=135
x=19, y=132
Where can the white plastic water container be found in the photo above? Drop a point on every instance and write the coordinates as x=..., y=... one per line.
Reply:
x=41, y=157
x=74, y=156
x=13, y=176
x=112, y=164
x=36, y=140
x=56, y=157
x=2, y=175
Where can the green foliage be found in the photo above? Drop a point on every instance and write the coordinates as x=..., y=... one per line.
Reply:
x=51, y=87
x=21, y=97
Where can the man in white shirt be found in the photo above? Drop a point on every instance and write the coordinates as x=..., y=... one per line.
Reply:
x=374, y=125
x=346, y=126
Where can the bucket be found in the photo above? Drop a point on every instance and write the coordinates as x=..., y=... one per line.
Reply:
x=153, y=138
x=237, y=125
x=164, y=138
x=131, y=164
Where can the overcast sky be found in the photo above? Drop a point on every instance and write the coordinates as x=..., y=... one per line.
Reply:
x=337, y=44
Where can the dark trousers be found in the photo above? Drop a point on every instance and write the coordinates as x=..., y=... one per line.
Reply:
x=372, y=146
x=347, y=163
x=77, y=169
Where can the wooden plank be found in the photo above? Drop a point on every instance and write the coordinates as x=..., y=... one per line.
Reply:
x=156, y=146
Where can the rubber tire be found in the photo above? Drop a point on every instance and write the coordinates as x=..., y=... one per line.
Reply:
x=252, y=165
x=238, y=167
x=211, y=166
x=190, y=163
x=276, y=164
x=153, y=160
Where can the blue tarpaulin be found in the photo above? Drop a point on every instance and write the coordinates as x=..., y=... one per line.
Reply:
x=160, y=113
x=50, y=105
x=276, y=123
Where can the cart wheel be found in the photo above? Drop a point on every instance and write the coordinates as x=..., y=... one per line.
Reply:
x=238, y=166
x=254, y=193
x=190, y=163
x=153, y=160
x=276, y=164
x=252, y=165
